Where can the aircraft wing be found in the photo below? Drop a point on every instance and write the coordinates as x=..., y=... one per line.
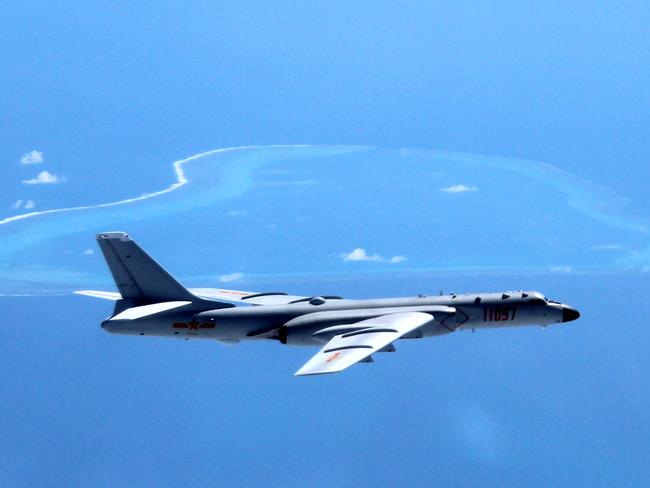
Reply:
x=250, y=297
x=344, y=350
x=219, y=294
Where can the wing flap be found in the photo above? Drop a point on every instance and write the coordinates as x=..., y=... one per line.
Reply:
x=344, y=350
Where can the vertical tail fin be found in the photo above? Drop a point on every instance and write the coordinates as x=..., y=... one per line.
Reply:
x=137, y=275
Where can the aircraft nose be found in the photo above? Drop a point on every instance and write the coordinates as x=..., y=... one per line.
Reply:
x=569, y=314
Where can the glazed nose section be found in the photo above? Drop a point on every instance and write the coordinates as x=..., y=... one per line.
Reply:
x=569, y=314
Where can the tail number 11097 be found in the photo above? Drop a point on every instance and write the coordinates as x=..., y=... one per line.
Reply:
x=499, y=314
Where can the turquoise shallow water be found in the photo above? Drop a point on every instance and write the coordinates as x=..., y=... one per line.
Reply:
x=281, y=213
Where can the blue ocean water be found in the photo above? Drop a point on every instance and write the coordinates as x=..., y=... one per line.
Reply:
x=262, y=212
x=112, y=93
x=560, y=406
x=522, y=407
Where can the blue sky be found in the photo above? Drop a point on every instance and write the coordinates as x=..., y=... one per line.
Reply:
x=112, y=93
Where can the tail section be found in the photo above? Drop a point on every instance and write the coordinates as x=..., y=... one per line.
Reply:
x=139, y=278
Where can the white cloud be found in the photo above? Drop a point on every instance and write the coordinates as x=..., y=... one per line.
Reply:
x=561, y=269
x=229, y=278
x=44, y=177
x=458, y=189
x=32, y=157
x=88, y=252
x=360, y=254
x=26, y=204
x=607, y=247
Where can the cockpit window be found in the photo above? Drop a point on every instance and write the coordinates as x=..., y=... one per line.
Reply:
x=536, y=301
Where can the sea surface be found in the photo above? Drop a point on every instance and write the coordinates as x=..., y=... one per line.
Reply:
x=275, y=213
x=564, y=405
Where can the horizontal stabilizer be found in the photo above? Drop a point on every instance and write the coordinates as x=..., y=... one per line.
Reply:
x=106, y=295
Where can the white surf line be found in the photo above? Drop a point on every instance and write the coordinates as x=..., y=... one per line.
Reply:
x=181, y=180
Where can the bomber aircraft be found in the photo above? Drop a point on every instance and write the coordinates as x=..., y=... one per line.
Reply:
x=152, y=302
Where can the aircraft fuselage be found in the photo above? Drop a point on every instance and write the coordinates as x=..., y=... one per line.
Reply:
x=303, y=323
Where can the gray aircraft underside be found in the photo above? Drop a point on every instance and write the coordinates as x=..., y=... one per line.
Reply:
x=151, y=302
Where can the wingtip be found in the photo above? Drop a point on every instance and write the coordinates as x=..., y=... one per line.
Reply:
x=318, y=373
x=113, y=235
